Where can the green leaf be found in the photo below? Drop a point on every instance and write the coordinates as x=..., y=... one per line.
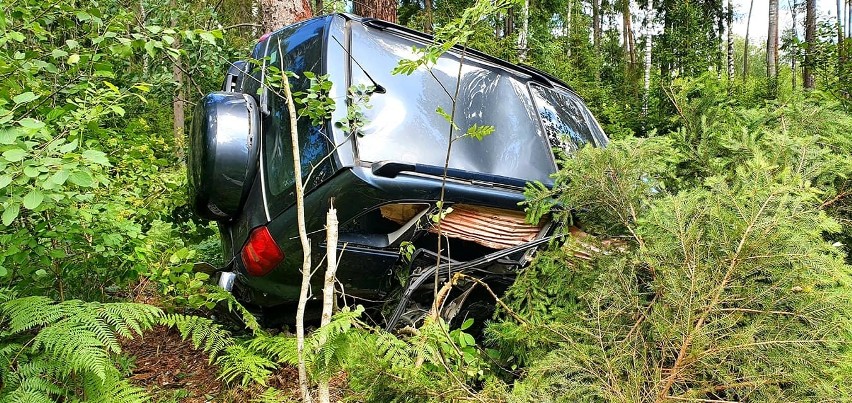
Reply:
x=96, y=157
x=59, y=177
x=14, y=155
x=33, y=199
x=208, y=37
x=57, y=53
x=74, y=59
x=3, y=271
x=5, y=180
x=81, y=178
x=31, y=123
x=9, y=136
x=69, y=147
x=31, y=171
x=467, y=324
x=10, y=214
x=28, y=96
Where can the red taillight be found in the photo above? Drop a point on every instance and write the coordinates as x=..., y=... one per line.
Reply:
x=261, y=254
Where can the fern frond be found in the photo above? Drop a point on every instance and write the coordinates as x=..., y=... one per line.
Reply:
x=27, y=396
x=244, y=363
x=204, y=333
x=30, y=312
x=113, y=390
x=281, y=348
x=127, y=318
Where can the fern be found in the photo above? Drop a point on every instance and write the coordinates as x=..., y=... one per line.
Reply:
x=203, y=333
x=64, y=351
x=245, y=364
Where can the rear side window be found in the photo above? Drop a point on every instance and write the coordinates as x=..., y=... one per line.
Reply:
x=565, y=119
x=297, y=49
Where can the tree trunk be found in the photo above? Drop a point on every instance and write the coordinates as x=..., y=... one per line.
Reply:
x=380, y=9
x=793, y=8
x=840, y=38
x=746, y=48
x=179, y=100
x=730, y=23
x=772, y=48
x=303, y=238
x=649, y=18
x=596, y=26
x=524, y=33
x=810, y=39
x=328, y=287
x=427, y=5
x=277, y=14
x=629, y=42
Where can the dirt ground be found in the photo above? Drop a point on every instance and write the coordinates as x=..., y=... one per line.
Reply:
x=172, y=371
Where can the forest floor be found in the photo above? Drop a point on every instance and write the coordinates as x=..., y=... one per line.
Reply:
x=171, y=370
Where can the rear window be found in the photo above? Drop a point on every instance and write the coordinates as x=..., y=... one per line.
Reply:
x=297, y=49
x=567, y=122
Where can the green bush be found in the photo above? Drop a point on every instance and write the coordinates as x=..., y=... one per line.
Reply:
x=733, y=283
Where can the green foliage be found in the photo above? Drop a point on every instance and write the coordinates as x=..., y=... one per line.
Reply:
x=203, y=332
x=57, y=351
x=88, y=162
x=731, y=284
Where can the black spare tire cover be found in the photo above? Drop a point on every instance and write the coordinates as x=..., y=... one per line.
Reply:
x=223, y=153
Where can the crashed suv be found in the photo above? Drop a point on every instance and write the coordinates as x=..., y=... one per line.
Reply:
x=386, y=181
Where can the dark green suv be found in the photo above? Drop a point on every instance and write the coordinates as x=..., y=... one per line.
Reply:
x=385, y=181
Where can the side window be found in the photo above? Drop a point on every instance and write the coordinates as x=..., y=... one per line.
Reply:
x=296, y=49
x=564, y=118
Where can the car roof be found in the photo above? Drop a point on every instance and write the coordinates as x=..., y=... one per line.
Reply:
x=537, y=75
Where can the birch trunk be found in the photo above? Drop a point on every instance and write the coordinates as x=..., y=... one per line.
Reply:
x=303, y=238
x=328, y=286
x=730, y=23
x=793, y=8
x=746, y=48
x=772, y=48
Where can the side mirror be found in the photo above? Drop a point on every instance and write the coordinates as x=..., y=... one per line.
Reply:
x=234, y=77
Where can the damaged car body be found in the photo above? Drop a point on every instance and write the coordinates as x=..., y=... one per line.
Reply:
x=386, y=180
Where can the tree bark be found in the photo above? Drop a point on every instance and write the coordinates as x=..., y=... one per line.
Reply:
x=772, y=48
x=629, y=42
x=793, y=8
x=730, y=23
x=380, y=9
x=277, y=14
x=840, y=38
x=179, y=100
x=427, y=5
x=303, y=238
x=746, y=48
x=328, y=287
x=525, y=31
x=810, y=39
x=596, y=26
x=649, y=18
